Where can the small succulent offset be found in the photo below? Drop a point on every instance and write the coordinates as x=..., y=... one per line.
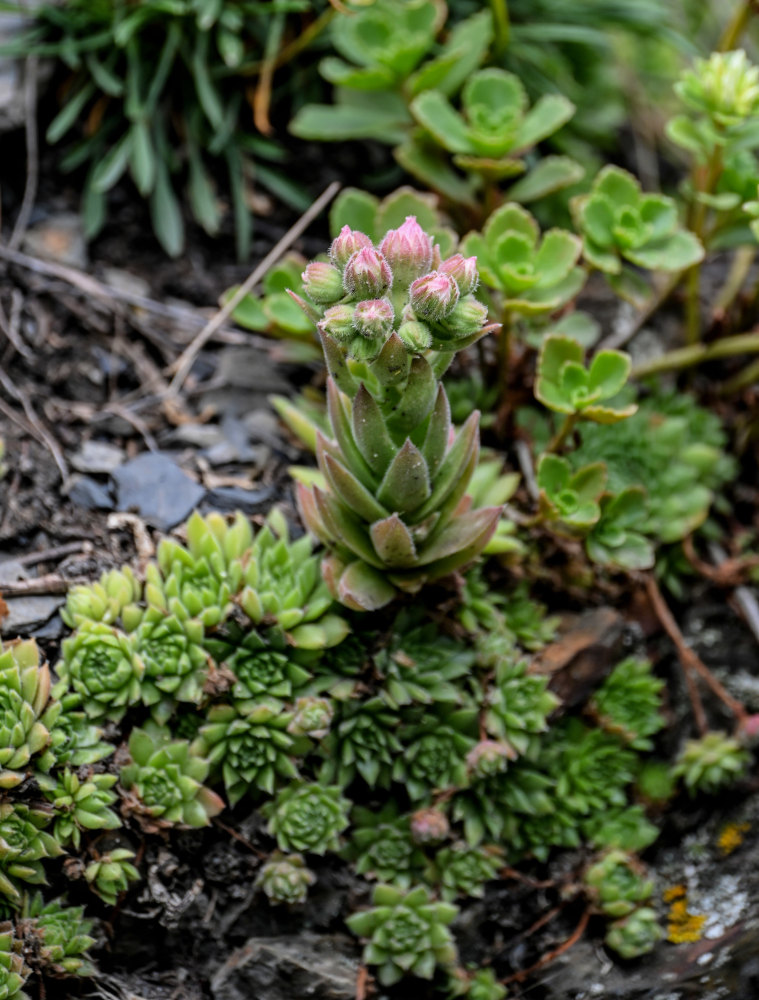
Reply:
x=569, y=500
x=710, y=763
x=383, y=847
x=166, y=780
x=408, y=933
x=535, y=276
x=636, y=934
x=110, y=874
x=24, y=694
x=62, y=936
x=616, y=884
x=619, y=222
x=80, y=804
x=628, y=703
x=285, y=878
x=566, y=386
x=24, y=844
x=392, y=505
x=462, y=870
x=103, y=601
x=308, y=817
x=518, y=704
x=13, y=970
x=101, y=665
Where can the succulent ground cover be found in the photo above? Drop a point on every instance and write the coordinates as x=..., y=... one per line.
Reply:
x=384, y=685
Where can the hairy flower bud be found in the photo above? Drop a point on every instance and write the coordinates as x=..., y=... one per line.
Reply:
x=465, y=319
x=367, y=274
x=348, y=242
x=312, y=717
x=429, y=826
x=322, y=282
x=434, y=295
x=415, y=335
x=338, y=323
x=408, y=251
x=463, y=270
x=373, y=318
x=490, y=757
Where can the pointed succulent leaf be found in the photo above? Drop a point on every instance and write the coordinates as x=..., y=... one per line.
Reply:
x=337, y=366
x=393, y=542
x=338, y=407
x=451, y=470
x=363, y=588
x=355, y=496
x=437, y=438
x=459, y=534
x=417, y=401
x=370, y=433
x=544, y=118
x=406, y=484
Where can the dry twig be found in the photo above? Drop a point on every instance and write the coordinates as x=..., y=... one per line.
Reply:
x=32, y=153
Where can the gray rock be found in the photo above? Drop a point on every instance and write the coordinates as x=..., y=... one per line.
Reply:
x=88, y=493
x=97, y=456
x=25, y=613
x=286, y=968
x=237, y=498
x=157, y=489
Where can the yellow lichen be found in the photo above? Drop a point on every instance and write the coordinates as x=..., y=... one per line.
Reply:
x=682, y=925
x=731, y=837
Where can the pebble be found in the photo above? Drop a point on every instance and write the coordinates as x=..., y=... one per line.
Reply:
x=98, y=456
x=157, y=489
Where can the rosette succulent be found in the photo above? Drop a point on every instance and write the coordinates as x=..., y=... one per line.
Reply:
x=636, y=934
x=566, y=386
x=166, y=779
x=569, y=500
x=100, y=664
x=24, y=694
x=283, y=585
x=518, y=704
x=80, y=804
x=383, y=848
x=252, y=749
x=104, y=601
x=714, y=761
x=285, y=878
x=592, y=768
x=62, y=935
x=264, y=668
x=175, y=661
x=74, y=739
x=391, y=503
x=308, y=817
x=363, y=742
x=435, y=753
x=628, y=703
x=13, y=971
x=407, y=933
x=616, y=884
x=619, y=222
x=110, y=874
x=463, y=871
x=535, y=276
x=24, y=844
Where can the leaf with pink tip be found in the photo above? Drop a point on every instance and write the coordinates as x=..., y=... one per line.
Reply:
x=348, y=489
x=310, y=514
x=344, y=530
x=393, y=542
x=488, y=518
x=363, y=588
x=459, y=534
x=406, y=484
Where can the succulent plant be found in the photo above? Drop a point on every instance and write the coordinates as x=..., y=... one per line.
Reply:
x=110, y=874
x=592, y=768
x=166, y=778
x=13, y=971
x=363, y=742
x=80, y=804
x=655, y=782
x=198, y=581
x=383, y=848
x=518, y=704
x=408, y=933
x=391, y=504
x=251, y=748
x=62, y=937
x=100, y=664
x=710, y=763
x=488, y=758
x=264, y=667
x=308, y=817
x=435, y=753
x=534, y=276
x=74, y=739
x=569, y=500
x=618, y=222
x=617, y=538
x=103, y=601
x=616, y=884
x=24, y=693
x=624, y=827
x=566, y=386
x=493, y=807
x=24, y=843
x=285, y=878
x=636, y=934
x=311, y=716
x=175, y=661
x=628, y=703
x=283, y=585
x=462, y=870
x=478, y=984
x=419, y=665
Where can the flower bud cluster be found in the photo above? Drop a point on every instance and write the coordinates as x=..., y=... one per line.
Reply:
x=400, y=286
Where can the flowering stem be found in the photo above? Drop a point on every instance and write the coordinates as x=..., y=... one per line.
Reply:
x=697, y=354
x=708, y=179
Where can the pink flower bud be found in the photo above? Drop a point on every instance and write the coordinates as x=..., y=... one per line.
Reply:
x=408, y=251
x=367, y=274
x=463, y=270
x=338, y=323
x=312, y=717
x=374, y=318
x=434, y=295
x=464, y=320
x=322, y=282
x=429, y=826
x=489, y=757
x=415, y=335
x=346, y=244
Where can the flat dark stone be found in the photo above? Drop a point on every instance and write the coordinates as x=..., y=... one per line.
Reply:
x=237, y=498
x=157, y=489
x=88, y=493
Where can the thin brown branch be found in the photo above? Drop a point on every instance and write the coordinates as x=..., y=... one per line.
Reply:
x=55, y=552
x=184, y=362
x=550, y=956
x=50, y=583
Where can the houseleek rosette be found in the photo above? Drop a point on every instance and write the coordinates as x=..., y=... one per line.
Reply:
x=285, y=878
x=24, y=693
x=391, y=503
